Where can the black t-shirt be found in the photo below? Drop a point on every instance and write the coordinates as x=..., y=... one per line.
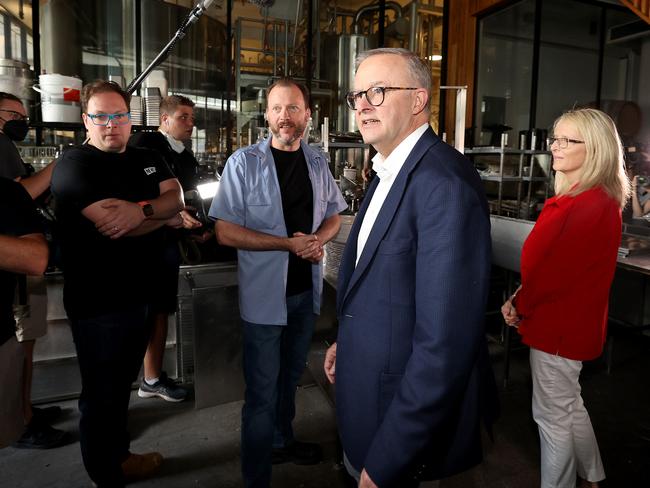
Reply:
x=11, y=164
x=183, y=165
x=104, y=275
x=18, y=217
x=298, y=209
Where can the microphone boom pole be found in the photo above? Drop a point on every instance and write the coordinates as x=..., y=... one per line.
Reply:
x=192, y=17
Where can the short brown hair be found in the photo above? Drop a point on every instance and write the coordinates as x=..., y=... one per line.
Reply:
x=9, y=96
x=286, y=82
x=170, y=104
x=102, y=86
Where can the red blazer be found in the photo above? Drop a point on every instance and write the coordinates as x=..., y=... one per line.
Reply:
x=567, y=267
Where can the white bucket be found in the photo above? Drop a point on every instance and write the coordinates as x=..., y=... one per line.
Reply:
x=60, y=98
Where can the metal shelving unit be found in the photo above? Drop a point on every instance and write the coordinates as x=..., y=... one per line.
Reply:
x=525, y=167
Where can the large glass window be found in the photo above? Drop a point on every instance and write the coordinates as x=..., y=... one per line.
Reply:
x=16, y=42
x=504, y=74
x=568, y=58
x=589, y=54
x=626, y=76
x=15, y=32
x=2, y=37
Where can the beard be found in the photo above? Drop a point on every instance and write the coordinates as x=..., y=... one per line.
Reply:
x=292, y=136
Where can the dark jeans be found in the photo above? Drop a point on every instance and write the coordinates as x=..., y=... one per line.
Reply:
x=110, y=349
x=274, y=359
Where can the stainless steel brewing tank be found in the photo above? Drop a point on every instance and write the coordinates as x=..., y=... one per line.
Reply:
x=341, y=73
x=62, y=43
x=16, y=78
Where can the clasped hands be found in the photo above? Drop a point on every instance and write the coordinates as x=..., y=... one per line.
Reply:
x=184, y=220
x=306, y=246
x=120, y=219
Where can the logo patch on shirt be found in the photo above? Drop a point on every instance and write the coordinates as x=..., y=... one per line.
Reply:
x=150, y=170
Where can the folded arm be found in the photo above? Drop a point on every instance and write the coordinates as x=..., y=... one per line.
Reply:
x=116, y=218
x=26, y=254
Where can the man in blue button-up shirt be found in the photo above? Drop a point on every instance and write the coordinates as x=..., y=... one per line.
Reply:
x=278, y=205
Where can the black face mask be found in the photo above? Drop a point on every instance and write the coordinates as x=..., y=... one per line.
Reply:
x=16, y=130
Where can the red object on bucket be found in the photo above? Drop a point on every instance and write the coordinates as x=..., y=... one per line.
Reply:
x=71, y=95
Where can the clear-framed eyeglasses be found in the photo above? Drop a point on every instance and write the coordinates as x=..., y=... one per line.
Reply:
x=562, y=142
x=121, y=118
x=375, y=95
x=13, y=115
x=292, y=109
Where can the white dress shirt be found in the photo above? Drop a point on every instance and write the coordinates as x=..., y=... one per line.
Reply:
x=386, y=169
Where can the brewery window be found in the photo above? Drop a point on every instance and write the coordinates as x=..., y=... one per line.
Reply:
x=504, y=74
x=539, y=59
x=568, y=59
x=15, y=36
x=2, y=37
x=16, y=43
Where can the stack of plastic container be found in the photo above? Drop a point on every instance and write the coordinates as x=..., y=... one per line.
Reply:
x=152, y=101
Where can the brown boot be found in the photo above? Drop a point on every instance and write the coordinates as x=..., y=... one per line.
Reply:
x=139, y=466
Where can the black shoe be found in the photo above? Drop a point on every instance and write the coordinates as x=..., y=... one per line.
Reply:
x=164, y=388
x=39, y=435
x=46, y=415
x=302, y=453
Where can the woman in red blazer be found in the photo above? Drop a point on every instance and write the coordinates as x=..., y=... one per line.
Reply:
x=567, y=267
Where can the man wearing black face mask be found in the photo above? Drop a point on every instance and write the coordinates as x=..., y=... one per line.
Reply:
x=38, y=433
x=14, y=126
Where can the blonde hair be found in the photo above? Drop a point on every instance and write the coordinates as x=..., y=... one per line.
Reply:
x=604, y=164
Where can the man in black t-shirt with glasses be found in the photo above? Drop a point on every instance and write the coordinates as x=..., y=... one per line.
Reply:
x=111, y=204
x=22, y=250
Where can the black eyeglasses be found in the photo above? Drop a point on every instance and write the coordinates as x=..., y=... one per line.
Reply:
x=374, y=95
x=562, y=142
x=15, y=115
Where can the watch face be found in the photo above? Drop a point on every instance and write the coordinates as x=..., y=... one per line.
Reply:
x=148, y=210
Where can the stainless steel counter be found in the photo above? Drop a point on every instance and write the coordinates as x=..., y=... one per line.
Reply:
x=209, y=332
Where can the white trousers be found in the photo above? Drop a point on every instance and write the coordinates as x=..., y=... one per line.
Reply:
x=567, y=440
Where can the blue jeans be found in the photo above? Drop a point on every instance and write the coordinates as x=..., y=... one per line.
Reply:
x=274, y=359
x=110, y=349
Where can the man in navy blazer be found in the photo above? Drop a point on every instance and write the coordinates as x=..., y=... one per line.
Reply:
x=411, y=366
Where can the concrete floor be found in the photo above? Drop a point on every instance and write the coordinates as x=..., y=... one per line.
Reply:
x=201, y=446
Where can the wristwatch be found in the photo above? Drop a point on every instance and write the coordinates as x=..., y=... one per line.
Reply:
x=147, y=208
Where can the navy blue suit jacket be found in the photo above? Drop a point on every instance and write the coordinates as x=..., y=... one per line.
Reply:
x=412, y=370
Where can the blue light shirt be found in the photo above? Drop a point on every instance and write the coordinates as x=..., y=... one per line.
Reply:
x=249, y=195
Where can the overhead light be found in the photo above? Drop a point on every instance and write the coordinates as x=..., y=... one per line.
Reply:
x=435, y=57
